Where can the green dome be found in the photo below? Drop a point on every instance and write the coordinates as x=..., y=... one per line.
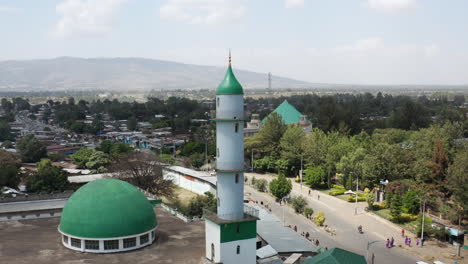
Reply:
x=229, y=85
x=107, y=208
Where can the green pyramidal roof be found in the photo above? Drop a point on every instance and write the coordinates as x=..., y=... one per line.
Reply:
x=229, y=85
x=336, y=256
x=107, y=208
x=288, y=112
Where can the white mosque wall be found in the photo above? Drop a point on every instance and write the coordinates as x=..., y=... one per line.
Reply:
x=230, y=106
x=247, y=252
x=213, y=241
x=189, y=183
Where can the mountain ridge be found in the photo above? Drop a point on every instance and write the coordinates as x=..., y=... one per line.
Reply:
x=123, y=74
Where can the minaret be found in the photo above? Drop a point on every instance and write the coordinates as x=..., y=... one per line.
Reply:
x=231, y=232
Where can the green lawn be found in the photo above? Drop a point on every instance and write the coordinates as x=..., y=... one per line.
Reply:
x=385, y=213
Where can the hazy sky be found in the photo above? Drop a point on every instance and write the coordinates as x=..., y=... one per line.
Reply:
x=324, y=41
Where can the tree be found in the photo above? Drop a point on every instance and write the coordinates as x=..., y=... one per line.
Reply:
x=81, y=157
x=197, y=204
x=197, y=160
x=280, y=187
x=458, y=181
x=132, y=123
x=395, y=207
x=439, y=163
x=31, y=149
x=370, y=200
x=9, y=169
x=291, y=144
x=48, y=178
x=98, y=161
x=298, y=203
x=5, y=131
x=314, y=177
x=271, y=133
x=308, y=212
x=411, y=202
x=145, y=171
x=7, y=144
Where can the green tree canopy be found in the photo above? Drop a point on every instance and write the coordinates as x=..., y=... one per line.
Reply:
x=5, y=131
x=458, y=180
x=271, y=133
x=48, y=178
x=31, y=149
x=9, y=165
x=314, y=177
x=280, y=187
x=82, y=156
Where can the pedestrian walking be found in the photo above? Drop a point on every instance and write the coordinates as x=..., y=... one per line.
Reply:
x=307, y=235
x=318, y=197
x=295, y=228
x=406, y=240
x=317, y=243
x=388, y=243
x=309, y=192
x=392, y=241
x=417, y=242
x=402, y=232
x=409, y=242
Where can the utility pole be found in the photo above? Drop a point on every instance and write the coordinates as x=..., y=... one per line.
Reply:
x=357, y=186
x=300, y=174
x=422, y=225
x=252, y=161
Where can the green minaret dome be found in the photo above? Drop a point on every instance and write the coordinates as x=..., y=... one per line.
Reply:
x=229, y=85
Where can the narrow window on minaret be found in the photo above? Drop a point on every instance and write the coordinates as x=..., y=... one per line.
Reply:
x=217, y=152
x=237, y=127
x=217, y=101
x=238, y=250
x=238, y=228
x=237, y=177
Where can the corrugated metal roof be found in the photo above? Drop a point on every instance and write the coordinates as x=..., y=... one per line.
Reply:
x=266, y=252
x=196, y=174
x=336, y=256
x=282, y=239
x=288, y=112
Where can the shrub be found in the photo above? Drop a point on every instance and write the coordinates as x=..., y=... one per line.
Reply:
x=246, y=178
x=366, y=190
x=261, y=185
x=335, y=186
x=336, y=192
x=404, y=218
x=352, y=198
x=308, y=212
x=319, y=218
x=298, y=203
x=298, y=179
x=253, y=181
x=411, y=202
x=370, y=200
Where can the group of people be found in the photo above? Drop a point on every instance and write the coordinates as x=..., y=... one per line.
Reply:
x=390, y=243
x=318, y=195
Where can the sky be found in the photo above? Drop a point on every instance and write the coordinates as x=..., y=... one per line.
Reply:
x=319, y=41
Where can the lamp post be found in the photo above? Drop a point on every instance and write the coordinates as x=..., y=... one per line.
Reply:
x=367, y=249
x=300, y=174
x=283, y=201
x=252, y=161
x=422, y=224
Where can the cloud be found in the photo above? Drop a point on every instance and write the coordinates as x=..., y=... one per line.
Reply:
x=4, y=9
x=86, y=17
x=206, y=12
x=366, y=61
x=294, y=3
x=391, y=5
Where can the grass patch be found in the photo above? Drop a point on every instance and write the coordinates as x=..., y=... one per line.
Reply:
x=182, y=194
x=384, y=213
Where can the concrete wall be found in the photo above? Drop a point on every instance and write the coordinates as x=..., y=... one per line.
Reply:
x=247, y=254
x=212, y=236
x=228, y=107
x=30, y=215
x=189, y=183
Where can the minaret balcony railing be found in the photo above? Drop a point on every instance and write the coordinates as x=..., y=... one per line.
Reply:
x=250, y=213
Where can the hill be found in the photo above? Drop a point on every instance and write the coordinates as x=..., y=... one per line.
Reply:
x=122, y=74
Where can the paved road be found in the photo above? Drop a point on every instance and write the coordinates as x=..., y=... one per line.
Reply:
x=340, y=217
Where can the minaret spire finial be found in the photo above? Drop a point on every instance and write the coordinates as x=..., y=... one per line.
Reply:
x=229, y=57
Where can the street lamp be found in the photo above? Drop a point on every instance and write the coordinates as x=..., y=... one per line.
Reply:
x=283, y=201
x=300, y=174
x=422, y=225
x=367, y=249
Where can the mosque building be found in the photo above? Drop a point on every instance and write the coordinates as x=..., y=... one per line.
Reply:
x=107, y=216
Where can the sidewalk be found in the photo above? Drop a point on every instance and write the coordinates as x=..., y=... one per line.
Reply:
x=372, y=224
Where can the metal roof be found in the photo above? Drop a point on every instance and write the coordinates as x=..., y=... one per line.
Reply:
x=288, y=113
x=266, y=252
x=282, y=239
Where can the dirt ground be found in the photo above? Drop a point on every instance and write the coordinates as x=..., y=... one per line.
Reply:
x=38, y=241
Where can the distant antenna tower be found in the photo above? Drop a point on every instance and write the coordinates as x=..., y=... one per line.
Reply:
x=269, y=82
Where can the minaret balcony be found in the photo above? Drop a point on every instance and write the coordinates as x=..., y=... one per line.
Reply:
x=250, y=213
